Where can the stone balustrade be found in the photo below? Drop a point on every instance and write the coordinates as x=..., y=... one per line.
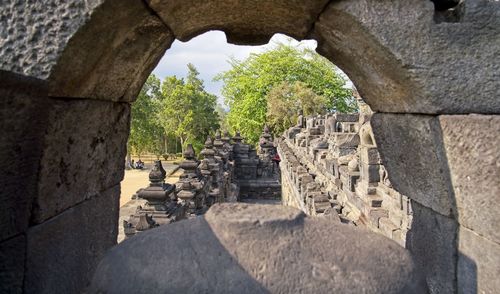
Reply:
x=331, y=166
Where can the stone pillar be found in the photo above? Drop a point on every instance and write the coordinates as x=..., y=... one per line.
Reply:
x=192, y=187
x=245, y=165
x=266, y=168
x=215, y=167
x=160, y=207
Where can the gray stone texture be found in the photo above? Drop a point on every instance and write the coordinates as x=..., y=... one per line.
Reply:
x=34, y=33
x=84, y=153
x=23, y=116
x=87, y=49
x=411, y=148
x=478, y=264
x=472, y=144
x=455, y=61
x=404, y=56
x=111, y=57
x=432, y=242
x=257, y=249
x=244, y=22
x=12, y=257
x=64, y=251
x=402, y=59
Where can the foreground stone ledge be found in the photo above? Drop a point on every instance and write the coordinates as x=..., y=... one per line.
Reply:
x=257, y=249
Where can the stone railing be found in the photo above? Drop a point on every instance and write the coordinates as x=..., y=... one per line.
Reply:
x=330, y=165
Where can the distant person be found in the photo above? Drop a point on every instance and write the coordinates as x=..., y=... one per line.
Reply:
x=132, y=164
x=277, y=159
x=140, y=164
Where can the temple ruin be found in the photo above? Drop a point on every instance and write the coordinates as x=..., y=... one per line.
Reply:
x=330, y=166
x=229, y=171
x=429, y=70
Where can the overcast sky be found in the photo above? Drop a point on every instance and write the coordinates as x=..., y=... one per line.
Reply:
x=209, y=53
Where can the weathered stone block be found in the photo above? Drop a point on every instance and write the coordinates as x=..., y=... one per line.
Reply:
x=346, y=143
x=63, y=252
x=432, y=241
x=50, y=25
x=412, y=151
x=12, y=259
x=347, y=117
x=111, y=56
x=370, y=173
x=472, y=144
x=374, y=43
x=369, y=155
x=84, y=153
x=23, y=116
x=87, y=49
x=478, y=263
x=188, y=18
x=278, y=250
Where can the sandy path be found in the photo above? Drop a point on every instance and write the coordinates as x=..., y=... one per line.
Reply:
x=133, y=181
x=137, y=179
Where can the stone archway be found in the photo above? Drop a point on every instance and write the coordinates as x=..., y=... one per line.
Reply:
x=71, y=70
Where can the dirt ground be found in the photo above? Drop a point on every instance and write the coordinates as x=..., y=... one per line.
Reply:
x=133, y=181
x=136, y=179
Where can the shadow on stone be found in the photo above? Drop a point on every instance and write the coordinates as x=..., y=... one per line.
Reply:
x=249, y=248
x=139, y=265
x=467, y=272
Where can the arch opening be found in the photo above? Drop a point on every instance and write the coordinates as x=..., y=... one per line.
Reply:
x=347, y=47
x=101, y=68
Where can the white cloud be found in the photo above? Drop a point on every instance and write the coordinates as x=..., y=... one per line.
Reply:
x=209, y=53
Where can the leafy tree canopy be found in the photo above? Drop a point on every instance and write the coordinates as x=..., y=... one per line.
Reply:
x=175, y=108
x=144, y=128
x=248, y=83
x=285, y=101
x=187, y=110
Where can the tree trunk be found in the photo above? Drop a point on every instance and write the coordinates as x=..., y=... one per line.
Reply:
x=182, y=144
x=165, y=144
x=128, y=161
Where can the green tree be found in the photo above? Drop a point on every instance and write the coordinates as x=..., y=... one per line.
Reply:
x=248, y=82
x=145, y=132
x=187, y=110
x=222, y=112
x=285, y=101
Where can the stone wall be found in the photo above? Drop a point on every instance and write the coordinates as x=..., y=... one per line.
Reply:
x=60, y=185
x=428, y=68
x=332, y=163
